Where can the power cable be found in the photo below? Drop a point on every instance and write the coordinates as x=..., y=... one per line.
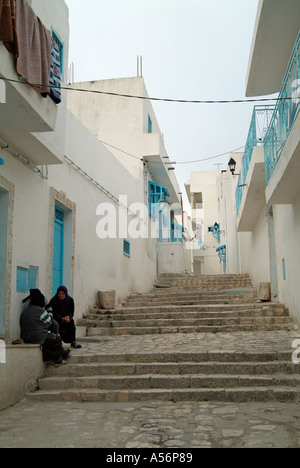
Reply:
x=148, y=98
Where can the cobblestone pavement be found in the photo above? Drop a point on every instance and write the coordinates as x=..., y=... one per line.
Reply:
x=150, y=425
x=160, y=424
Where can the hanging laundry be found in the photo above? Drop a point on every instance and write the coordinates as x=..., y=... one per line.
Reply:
x=34, y=42
x=8, y=32
x=55, y=74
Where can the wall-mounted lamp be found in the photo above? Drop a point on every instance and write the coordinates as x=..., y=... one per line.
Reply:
x=171, y=168
x=232, y=166
x=216, y=231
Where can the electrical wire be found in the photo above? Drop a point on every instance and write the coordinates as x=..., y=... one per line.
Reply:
x=156, y=99
x=212, y=157
x=177, y=163
x=148, y=98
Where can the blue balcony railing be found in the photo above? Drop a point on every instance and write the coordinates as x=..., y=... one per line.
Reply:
x=176, y=232
x=285, y=114
x=260, y=122
x=222, y=253
x=239, y=194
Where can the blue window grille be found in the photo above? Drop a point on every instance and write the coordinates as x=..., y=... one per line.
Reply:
x=239, y=194
x=285, y=113
x=149, y=124
x=176, y=232
x=222, y=252
x=216, y=232
x=60, y=50
x=56, y=68
x=126, y=248
x=284, y=269
x=157, y=194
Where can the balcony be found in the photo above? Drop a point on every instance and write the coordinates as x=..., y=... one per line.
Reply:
x=31, y=125
x=282, y=142
x=250, y=192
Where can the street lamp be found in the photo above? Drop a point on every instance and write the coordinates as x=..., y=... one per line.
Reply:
x=232, y=166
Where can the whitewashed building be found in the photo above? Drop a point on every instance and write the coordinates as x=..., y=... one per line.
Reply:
x=72, y=210
x=259, y=205
x=268, y=204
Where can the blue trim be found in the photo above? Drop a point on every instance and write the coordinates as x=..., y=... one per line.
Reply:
x=126, y=248
x=222, y=252
x=32, y=278
x=150, y=127
x=58, y=249
x=61, y=49
x=284, y=269
x=22, y=280
x=285, y=114
x=216, y=232
x=157, y=194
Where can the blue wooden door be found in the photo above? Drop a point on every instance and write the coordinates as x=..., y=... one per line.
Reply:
x=58, y=250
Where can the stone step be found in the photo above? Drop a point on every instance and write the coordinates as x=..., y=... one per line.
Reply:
x=191, y=293
x=177, y=357
x=245, y=394
x=203, y=308
x=269, y=309
x=122, y=331
x=188, y=322
x=190, y=301
x=271, y=368
x=97, y=317
x=214, y=304
x=161, y=381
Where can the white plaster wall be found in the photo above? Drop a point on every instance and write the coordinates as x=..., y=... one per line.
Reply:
x=287, y=223
x=119, y=121
x=98, y=264
x=254, y=251
x=171, y=258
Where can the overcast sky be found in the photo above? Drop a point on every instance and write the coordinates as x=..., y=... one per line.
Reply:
x=192, y=49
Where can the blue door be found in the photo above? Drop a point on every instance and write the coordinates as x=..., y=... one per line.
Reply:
x=58, y=250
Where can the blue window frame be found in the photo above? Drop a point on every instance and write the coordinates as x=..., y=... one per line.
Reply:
x=157, y=194
x=149, y=124
x=284, y=269
x=60, y=48
x=58, y=250
x=126, y=248
x=26, y=279
x=22, y=280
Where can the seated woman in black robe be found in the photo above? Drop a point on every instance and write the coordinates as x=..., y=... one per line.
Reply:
x=63, y=309
x=35, y=323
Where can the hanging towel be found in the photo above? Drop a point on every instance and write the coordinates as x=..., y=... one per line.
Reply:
x=34, y=40
x=8, y=32
x=55, y=75
x=6, y=21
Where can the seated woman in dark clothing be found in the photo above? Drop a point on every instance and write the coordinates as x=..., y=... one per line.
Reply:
x=35, y=323
x=63, y=309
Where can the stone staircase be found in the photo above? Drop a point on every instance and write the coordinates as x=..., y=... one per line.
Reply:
x=175, y=308
x=210, y=304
